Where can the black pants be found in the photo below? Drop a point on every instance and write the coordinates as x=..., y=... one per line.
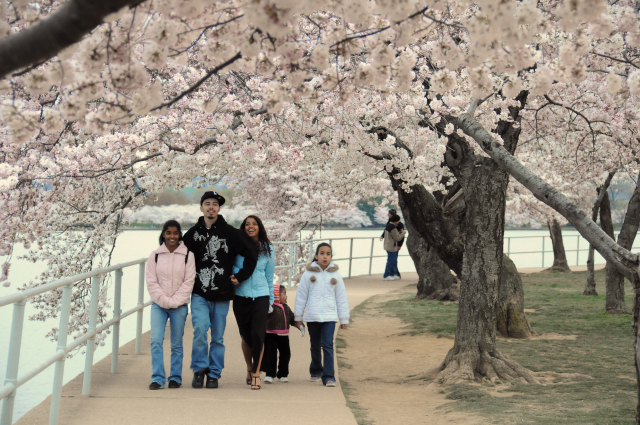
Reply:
x=272, y=344
x=251, y=316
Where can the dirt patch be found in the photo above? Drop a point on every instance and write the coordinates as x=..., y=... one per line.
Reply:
x=385, y=372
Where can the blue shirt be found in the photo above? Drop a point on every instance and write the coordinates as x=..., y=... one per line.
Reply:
x=260, y=283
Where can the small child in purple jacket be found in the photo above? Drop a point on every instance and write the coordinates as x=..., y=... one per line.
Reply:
x=277, y=339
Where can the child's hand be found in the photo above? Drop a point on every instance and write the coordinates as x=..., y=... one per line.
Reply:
x=343, y=326
x=298, y=324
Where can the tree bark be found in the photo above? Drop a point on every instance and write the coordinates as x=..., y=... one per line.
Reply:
x=474, y=355
x=590, y=286
x=615, y=303
x=511, y=319
x=435, y=281
x=559, y=255
x=625, y=261
x=63, y=28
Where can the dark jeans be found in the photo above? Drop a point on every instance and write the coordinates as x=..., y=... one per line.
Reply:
x=392, y=264
x=272, y=344
x=321, y=335
x=251, y=316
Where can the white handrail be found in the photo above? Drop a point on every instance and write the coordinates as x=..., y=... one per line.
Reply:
x=296, y=260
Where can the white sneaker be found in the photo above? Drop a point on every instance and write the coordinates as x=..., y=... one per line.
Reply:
x=396, y=277
x=284, y=379
x=315, y=378
x=331, y=383
x=268, y=380
x=389, y=278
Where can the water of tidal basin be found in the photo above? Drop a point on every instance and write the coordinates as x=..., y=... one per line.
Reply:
x=132, y=245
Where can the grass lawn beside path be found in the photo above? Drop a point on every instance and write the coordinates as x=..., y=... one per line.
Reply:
x=584, y=355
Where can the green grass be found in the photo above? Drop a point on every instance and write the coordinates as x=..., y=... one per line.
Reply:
x=602, y=353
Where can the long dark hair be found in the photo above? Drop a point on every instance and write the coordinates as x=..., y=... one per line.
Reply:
x=170, y=223
x=263, y=241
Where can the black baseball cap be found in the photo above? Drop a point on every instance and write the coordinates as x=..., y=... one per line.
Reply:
x=209, y=195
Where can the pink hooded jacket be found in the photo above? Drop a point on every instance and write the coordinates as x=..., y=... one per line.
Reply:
x=170, y=282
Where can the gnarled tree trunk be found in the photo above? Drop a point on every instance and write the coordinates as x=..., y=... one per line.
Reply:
x=511, y=320
x=474, y=355
x=435, y=281
x=615, y=303
x=559, y=255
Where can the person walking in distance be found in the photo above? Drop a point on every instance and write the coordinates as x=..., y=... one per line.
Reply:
x=215, y=245
x=321, y=301
x=391, y=239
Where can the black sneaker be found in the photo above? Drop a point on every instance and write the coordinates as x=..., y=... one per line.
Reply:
x=155, y=386
x=212, y=382
x=198, y=380
x=174, y=384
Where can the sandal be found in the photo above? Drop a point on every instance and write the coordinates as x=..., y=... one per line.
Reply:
x=248, y=377
x=254, y=383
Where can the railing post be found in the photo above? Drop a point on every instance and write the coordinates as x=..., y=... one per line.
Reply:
x=350, y=256
x=291, y=261
x=13, y=360
x=63, y=330
x=115, y=342
x=140, y=304
x=543, y=239
x=93, y=318
x=508, y=246
x=578, y=250
x=371, y=256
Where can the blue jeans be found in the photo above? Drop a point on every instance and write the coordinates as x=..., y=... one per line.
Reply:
x=177, y=318
x=392, y=264
x=321, y=336
x=205, y=314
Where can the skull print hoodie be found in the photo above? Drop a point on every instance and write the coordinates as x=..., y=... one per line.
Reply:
x=215, y=250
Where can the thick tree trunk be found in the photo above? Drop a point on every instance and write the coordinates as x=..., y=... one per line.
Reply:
x=590, y=286
x=559, y=255
x=474, y=355
x=625, y=261
x=435, y=281
x=511, y=321
x=615, y=303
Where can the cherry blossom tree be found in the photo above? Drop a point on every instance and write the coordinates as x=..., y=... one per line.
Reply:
x=163, y=88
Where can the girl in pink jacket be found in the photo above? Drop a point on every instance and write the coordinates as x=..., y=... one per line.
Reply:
x=171, y=271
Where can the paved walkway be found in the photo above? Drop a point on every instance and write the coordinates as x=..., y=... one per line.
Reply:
x=124, y=398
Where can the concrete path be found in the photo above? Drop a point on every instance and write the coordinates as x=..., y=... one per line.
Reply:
x=124, y=398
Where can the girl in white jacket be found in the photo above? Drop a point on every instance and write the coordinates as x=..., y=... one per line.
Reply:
x=321, y=301
x=171, y=271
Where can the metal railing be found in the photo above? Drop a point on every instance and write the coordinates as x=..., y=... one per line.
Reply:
x=19, y=299
x=565, y=238
x=298, y=254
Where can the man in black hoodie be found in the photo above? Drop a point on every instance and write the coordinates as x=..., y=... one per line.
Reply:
x=215, y=245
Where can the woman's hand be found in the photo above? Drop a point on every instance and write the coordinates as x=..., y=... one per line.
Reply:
x=297, y=324
x=343, y=326
x=234, y=280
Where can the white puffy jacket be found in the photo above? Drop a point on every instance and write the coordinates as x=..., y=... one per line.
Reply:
x=322, y=296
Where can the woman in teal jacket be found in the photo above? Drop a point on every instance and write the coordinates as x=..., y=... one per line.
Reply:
x=253, y=299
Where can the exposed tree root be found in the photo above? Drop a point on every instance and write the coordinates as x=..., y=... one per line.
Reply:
x=480, y=366
x=451, y=293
